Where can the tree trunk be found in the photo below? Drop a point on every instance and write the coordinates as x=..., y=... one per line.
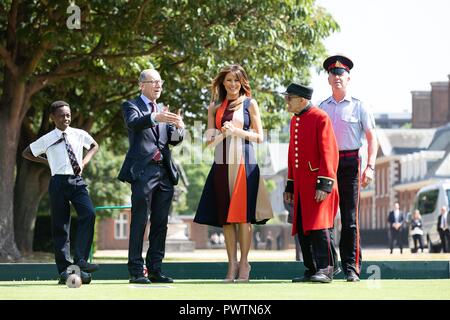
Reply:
x=8, y=148
x=31, y=184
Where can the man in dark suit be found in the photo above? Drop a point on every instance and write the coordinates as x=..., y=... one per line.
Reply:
x=149, y=169
x=396, y=220
x=443, y=229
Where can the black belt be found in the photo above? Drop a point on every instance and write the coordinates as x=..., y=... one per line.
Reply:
x=158, y=162
x=349, y=153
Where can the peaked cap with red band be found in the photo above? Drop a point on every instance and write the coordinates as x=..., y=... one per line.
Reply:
x=339, y=62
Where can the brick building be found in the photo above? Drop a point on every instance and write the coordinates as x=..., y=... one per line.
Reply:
x=409, y=159
x=431, y=109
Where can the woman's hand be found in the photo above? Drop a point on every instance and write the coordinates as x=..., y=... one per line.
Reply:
x=228, y=128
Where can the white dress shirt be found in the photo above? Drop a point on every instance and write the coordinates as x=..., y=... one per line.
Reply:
x=444, y=221
x=396, y=215
x=147, y=103
x=56, y=153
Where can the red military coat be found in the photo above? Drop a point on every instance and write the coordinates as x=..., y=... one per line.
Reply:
x=313, y=161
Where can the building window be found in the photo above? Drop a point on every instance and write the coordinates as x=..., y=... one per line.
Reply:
x=121, y=226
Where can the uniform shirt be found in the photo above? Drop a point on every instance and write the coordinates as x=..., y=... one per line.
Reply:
x=57, y=156
x=351, y=119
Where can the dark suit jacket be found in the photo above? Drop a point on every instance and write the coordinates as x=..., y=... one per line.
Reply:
x=439, y=221
x=144, y=142
x=391, y=219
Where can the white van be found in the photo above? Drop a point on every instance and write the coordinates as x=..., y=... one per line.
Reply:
x=429, y=200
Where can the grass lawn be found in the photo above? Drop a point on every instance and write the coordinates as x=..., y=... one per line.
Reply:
x=215, y=290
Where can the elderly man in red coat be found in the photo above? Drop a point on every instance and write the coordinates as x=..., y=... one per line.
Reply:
x=312, y=167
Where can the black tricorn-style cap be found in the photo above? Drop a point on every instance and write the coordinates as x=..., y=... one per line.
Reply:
x=299, y=90
x=337, y=64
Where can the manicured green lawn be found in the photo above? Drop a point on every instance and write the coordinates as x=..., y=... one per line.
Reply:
x=212, y=290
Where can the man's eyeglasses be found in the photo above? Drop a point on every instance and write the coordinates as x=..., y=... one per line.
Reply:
x=154, y=82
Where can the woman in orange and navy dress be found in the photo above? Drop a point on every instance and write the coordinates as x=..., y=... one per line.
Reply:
x=234, y=196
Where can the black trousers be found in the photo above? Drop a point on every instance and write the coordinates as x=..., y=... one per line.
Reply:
x=63, y=190
x=445, y=239
x=418, y=238
x=152, y=195
x=317, y=247
x=396, y=236
x=348, y=178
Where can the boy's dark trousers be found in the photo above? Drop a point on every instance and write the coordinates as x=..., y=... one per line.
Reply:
x=63, y=190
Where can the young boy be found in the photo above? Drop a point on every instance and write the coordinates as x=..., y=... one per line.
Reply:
x=63, y=150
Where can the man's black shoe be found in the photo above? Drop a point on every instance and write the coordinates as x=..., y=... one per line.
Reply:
x=158, y=277
x=87, y=267
x=140, y=280
x=306, y=277
x=324, y=275
x=301, y=279
x=86, y=278
x=352, y=277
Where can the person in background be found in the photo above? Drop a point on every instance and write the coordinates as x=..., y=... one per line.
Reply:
x=442, y=227
x=269, y=240
x=214, y=239
x=298, y=250
x=416, y=230
x=396, y=220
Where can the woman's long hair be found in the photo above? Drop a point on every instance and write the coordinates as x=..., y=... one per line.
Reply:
x=416, y=213
x=218, y=89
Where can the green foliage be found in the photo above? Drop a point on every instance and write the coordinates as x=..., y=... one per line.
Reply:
x=407, y=125
x=197, y=177
x=196, y=160
x=101, y=177
x=270, y=185
x=187, y=41
x=96, y=67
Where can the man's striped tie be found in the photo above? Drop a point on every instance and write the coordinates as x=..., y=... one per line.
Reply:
x=157, y=156
x=73, y=160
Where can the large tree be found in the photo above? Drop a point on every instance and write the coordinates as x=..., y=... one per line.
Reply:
x=44, y=58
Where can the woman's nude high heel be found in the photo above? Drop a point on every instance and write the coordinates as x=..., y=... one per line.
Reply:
x=244, y=276
x=234, y=273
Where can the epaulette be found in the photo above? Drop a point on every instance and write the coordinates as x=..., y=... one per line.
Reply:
x=324, y=101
